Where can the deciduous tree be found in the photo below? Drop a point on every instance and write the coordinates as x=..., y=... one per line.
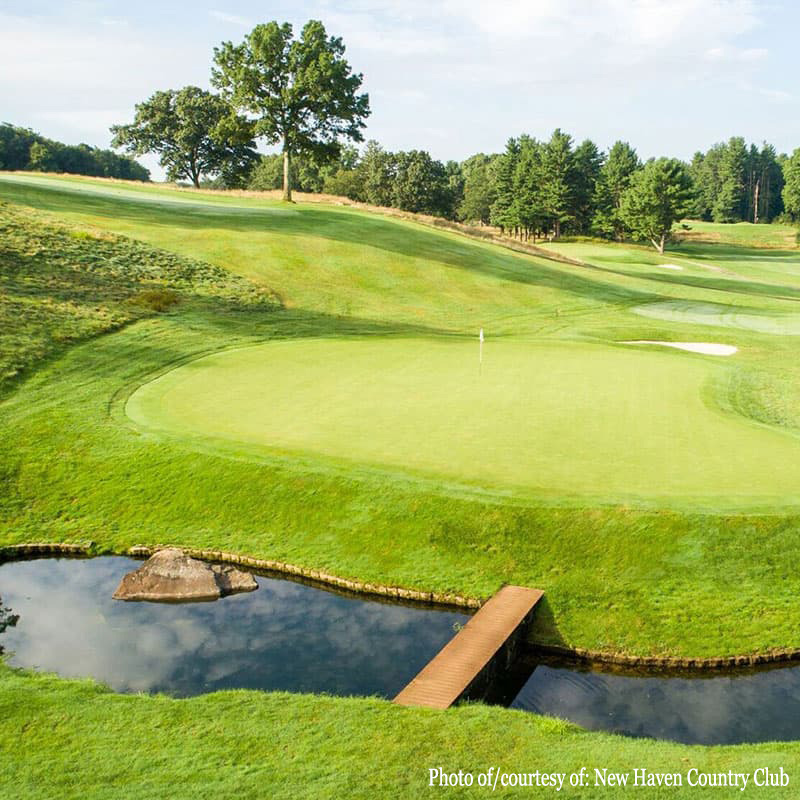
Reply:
x=300, y=93
x=377, y=172
x=193, y=132
x=479, y=189
x=791, y=189
x=420, y=184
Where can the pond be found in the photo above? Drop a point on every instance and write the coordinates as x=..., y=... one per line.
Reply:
x=715, y=707
x=285, y=635
x=302, y=638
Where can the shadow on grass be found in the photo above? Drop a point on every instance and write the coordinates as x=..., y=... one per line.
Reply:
x=544, y=629
x=345, y=226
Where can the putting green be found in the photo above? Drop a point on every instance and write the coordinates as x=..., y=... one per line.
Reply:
x=567, y=418
x=721, y=316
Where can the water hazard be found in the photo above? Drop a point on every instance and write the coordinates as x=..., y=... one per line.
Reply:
x=693, y=708
x=285, y=635
x=302, y=638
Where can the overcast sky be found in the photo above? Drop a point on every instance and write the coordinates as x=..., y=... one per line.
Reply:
x=453, y=77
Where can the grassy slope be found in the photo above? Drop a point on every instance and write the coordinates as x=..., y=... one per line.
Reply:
x=617, y=578
x=741, y=233
x=62, y=284
x=64, y=739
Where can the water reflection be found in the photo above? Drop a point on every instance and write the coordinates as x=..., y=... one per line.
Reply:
x=718, y=708
x=283, y=636
x=7, y=620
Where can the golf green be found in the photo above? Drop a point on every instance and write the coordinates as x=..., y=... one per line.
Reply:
x=548, y=417
x=721, y=316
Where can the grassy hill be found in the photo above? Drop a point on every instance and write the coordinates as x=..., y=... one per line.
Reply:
x=65, y=283
x=697, y=510
x=649, y=491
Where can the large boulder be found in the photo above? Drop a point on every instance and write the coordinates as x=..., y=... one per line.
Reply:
x=170, y=574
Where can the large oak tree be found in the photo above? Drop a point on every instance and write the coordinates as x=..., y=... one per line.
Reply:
x=193, y=132
x=300, y=93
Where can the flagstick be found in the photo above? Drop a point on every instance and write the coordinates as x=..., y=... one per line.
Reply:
x=480, y=353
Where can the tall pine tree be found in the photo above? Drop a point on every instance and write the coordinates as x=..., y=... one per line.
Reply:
x=615, y=177
x=503, y=211
x=557, y=176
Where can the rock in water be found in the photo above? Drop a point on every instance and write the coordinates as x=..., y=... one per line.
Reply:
x=169, y=574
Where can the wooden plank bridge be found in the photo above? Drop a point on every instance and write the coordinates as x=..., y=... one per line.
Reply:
x=485, y=645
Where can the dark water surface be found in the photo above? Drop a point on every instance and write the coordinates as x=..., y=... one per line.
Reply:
x=284, y=635
x=694, y=708
x=296, y=637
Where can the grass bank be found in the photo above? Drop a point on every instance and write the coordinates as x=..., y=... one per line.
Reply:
x=692, y=577
x=73, y=739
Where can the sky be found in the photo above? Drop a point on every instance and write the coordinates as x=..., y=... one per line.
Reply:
x=453, y=77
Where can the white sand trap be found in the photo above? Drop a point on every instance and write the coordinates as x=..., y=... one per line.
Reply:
x=704, y=348
x=669, y=266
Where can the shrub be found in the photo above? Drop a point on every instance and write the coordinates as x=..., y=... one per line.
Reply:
x=156, y=299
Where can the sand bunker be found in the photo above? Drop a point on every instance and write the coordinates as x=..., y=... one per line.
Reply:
x=704, y=348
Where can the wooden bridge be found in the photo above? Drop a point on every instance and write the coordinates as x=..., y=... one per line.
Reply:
x=483, y=647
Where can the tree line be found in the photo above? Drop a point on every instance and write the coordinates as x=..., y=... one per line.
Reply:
x=556, y=187
x=24, y=149
x=301, y=95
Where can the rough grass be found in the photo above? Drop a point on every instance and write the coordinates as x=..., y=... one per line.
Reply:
x=741, y=233
x=61, y=284
x=64, y=739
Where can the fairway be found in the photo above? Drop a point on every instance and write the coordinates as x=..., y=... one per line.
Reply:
x=566, y=418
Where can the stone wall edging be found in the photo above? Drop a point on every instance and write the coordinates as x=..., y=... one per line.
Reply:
x=381, y=590
x=319, y=576
x=670, y=662
x=11, y=551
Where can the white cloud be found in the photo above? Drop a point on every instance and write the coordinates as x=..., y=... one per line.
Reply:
x=521, y=42
x=453, y=76
x=79, y=60
x=733, y=54
x=83, y=118
x=231, y=19
x=777, y=95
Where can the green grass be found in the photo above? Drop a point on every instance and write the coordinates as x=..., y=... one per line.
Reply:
x=564, y=485
x=723, y=316
x=338, y=261
x=741, y=233
x=62, y=284
x=560, y=419
x=64, y=739
x=622, y=573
